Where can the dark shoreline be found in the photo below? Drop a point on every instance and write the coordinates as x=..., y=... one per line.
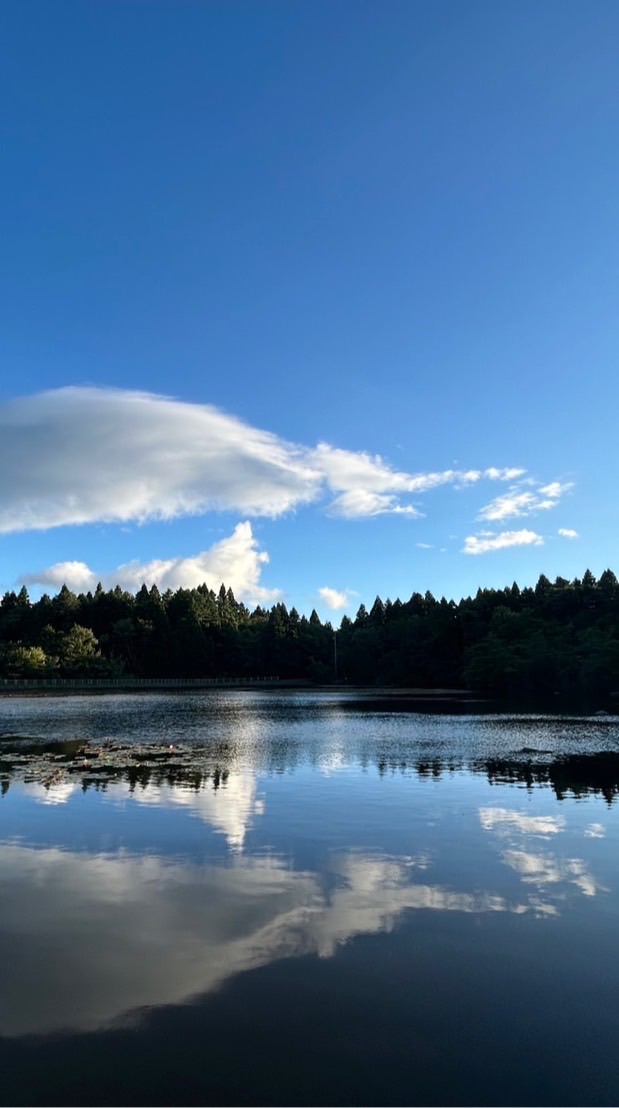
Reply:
x=76, y=686
x=372, y=697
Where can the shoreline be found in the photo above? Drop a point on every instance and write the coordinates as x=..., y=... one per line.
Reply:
x=15, y=687
x=377, y=697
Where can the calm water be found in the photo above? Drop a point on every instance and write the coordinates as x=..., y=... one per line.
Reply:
x=324, y=900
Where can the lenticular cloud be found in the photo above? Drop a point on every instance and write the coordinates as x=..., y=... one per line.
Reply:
x=85, y=455
x=79, y=455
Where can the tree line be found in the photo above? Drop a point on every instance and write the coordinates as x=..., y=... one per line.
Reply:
x=557, y=638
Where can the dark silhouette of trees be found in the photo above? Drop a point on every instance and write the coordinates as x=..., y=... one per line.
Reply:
x=556, y=639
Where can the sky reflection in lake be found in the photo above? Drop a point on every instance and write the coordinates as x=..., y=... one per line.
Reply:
x=391, y=882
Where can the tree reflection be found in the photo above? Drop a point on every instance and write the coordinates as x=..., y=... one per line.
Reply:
x=196, y=767
x=580, y=775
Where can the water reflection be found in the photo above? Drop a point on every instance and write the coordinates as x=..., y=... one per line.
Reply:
x=541, y=868
x=507, y=818
x=93, y=937
x=578, y=774
x=96, y=938
x=52, y=792
x=362, y=906
x=60, y=768
x=229, y=810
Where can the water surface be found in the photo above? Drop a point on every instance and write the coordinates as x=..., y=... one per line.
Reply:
x=314, y=899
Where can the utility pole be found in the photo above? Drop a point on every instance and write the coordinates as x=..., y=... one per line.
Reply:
x=335, y=652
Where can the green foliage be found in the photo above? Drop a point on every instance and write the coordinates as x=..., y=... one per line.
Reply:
x=17, y=660
x=79, y=652
x=560, y=638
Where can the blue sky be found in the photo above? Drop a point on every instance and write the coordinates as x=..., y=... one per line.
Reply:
x=308, y=296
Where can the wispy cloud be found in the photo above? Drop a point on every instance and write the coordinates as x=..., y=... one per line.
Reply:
x=362, y=504
x=335, y=599
x=510, y=504
x=485, y=542
x=237, y=561
x=346, y=471
x=523, y=501
x=85, y=455
x=568, y=533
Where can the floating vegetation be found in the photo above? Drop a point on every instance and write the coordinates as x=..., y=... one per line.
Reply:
x=95, y=764
x=32, y=760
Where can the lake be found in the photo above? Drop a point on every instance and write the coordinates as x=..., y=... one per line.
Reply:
x=306, y=898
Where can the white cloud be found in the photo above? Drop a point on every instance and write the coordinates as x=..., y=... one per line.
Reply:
x=78, y=455
x=512, y=474
x=75, y=575
x=236, y=561
x=346, y=470
x=481, y=544
x=335, y=598
x=568, y=533
x=84, y=455
x=366, y=486
x=424, y=545
x=521, y=501
x=361, y=504
x=511, y=504
x=555, y=489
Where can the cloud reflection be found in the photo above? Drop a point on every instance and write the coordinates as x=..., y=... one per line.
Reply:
x=544, y=870
x=94, y=938
x=229, y=808
x=55, y=792
x=508, y=818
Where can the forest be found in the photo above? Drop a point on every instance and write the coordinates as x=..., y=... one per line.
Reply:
x=558, y=638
